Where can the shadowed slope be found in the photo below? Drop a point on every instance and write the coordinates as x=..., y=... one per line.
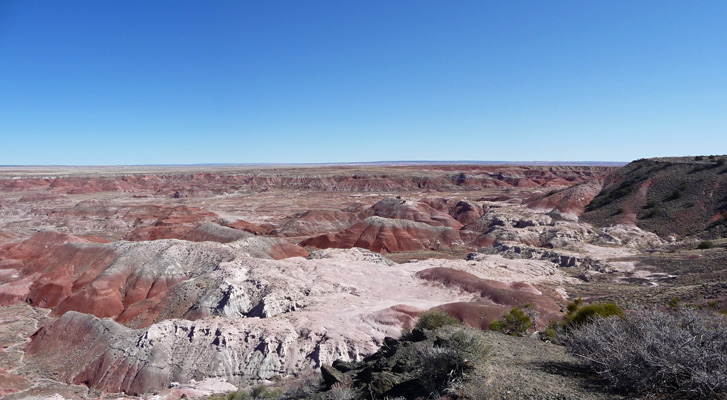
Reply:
x=667, y=196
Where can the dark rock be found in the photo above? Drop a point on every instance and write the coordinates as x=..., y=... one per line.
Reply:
x=382, y=382
x=331, y=376
x=343, y=366
x=418, y=334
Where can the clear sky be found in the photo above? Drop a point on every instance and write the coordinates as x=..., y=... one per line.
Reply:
x=181, y=82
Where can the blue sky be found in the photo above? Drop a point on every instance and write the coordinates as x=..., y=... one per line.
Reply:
x=165, y=82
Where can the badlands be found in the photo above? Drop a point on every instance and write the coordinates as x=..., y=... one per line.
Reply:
x=165, y=282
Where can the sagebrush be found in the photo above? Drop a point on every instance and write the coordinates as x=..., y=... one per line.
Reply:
x=652, y=352
x=460, y=350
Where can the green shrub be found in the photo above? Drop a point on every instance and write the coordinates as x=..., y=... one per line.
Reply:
x=675, y=303
x=514, y=322
x=434, y=319
x=677, y=194
x=698, y=158
x=497, y=326
x=653, y=212
x=578, y=314
x=706, y=244
x=552, y=331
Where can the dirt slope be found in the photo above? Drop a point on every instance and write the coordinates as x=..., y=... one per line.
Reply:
x=684, y=196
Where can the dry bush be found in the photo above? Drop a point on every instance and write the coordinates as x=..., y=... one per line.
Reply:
x=308, y=382
x=341, y=391
x=463, y=350
x=649, y=352
x=259, y=392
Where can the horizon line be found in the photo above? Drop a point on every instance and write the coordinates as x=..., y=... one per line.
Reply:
x=345, y=163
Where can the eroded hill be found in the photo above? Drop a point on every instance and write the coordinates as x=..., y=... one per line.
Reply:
x=675, y=197
x=172, y=278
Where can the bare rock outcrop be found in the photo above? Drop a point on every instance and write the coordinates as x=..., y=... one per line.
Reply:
x=353, y=254
x=396, y=208
x=177, y=310
x=173, y=224
x=139, y=282
x=571, y=202
x=389, y=235
x=255, y=246
x=514, y=250
x=629, y=236
x=316, y=222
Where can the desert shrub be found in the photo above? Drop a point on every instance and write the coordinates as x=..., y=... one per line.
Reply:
x=434, y=319
x=650, y=352
x=674, y=303
x=265, y=392
x=677, y=194
x=341, y=391
x=624, y=189
x=596, y=203
x=514, y=322
x=698, y=158
x=578, y=314
x=619, y=210
x=236, y=395
x=706, y=244
x=653, y=212
x=551, y=332
x=306, y=383
x=460, y=350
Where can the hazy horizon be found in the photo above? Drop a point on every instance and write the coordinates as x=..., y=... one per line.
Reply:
x=342, y=163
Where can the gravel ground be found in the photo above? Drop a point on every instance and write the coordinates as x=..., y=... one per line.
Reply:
x=528, y=368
